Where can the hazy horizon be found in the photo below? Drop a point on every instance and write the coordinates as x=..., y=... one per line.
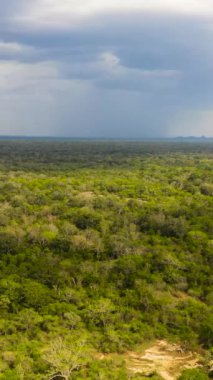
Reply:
x=112, y=138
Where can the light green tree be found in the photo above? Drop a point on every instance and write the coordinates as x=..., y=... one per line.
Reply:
x=65, y=357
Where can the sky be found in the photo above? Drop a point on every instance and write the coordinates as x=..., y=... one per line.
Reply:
x=106, y=68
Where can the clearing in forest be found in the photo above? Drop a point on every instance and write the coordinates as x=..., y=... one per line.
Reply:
x=164, y=358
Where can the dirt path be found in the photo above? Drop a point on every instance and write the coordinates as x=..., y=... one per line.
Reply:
x=164, y=358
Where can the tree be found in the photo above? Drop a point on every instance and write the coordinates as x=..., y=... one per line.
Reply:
x=66, y=357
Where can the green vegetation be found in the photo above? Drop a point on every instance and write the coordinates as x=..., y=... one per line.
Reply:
x=103, y=246
x=193, y=374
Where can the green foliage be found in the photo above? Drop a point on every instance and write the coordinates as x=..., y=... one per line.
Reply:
x=106, y=243
x=194, y=374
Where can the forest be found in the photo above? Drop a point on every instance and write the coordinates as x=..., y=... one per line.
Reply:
x=105, y=247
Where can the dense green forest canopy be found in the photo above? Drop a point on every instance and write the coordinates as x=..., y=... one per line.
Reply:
x=62, y=154
x=104, y=245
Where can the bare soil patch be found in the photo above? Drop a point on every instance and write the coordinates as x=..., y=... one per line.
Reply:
x=164, y=358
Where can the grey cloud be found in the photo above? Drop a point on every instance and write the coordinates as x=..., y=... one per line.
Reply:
x=162, y=68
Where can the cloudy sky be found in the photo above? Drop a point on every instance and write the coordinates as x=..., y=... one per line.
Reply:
x=106, y=68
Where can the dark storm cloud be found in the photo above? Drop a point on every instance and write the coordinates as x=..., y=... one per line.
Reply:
x=139, y=73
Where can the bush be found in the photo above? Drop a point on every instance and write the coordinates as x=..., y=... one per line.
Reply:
x=194, y=374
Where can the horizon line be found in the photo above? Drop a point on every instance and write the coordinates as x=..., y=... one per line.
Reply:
x=9, y=137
